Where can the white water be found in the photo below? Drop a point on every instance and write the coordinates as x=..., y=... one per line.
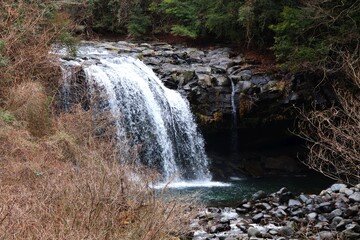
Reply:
x=191, y=184
x=233, y=106
x=153, y=117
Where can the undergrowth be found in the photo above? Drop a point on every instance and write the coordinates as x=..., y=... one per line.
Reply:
x=59, y=180
x=70, y=185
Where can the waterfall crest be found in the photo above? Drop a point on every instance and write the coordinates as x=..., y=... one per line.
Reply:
x=151, y=116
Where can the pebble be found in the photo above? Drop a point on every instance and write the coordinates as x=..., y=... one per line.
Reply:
x=331, y=215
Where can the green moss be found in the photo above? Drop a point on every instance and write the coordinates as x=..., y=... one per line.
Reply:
x=6, y=117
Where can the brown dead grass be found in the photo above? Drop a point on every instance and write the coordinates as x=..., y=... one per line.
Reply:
x=70, y=185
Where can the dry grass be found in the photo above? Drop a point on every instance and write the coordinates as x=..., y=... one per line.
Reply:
x=58, y=180
x=69, y=185
x=27, y=30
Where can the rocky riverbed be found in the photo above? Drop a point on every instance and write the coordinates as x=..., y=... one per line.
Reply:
x=333, y=214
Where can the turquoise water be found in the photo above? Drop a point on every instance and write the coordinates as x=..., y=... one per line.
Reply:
x=233, y=192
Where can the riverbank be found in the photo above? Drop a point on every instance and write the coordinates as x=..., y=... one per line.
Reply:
x=333, y=214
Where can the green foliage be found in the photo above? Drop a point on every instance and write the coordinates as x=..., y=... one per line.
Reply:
x=139, y=23
x=185, y=31
x=70, y=42
x=256, y=16
x=311, y=36
x=6, y=117
x=119, y=16
x=182, y=16
x=222, y=19
x=3, y=60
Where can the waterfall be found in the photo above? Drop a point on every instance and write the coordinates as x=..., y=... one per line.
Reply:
x=233, y=106
x=151, y=116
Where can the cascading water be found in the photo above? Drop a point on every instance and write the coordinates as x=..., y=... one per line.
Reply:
x=234, y=130
x=152, y=116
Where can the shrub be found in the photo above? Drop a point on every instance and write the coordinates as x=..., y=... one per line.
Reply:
x=70, y=185
x=27, y=101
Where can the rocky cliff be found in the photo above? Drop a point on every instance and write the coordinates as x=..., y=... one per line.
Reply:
x=244, y=110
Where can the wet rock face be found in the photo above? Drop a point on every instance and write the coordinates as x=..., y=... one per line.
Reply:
x=281, y=215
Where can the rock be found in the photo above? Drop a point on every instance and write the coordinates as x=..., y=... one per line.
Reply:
x=221, y=80
x=336, y=213
x=259, y=195
x=350, y=235
x=148, y=52
x=286, y=231
x=337, y=186
x=263, y=206
x=351, y=211
x=284, y=195
x=325, y=235
x=298, y=213
x=219, y=228
x=354, y=227
x=247, y=206
x=204, y=80
x=243, y=86
x=279, y=213
x=336, y=221
x=213, y=210
x=244, y=75
x=220, y=65
x=259, y=79
x=294, y=203
x=253, y=232
x=257, y=218
x=355, y=197
x=342, y=225
x=325, y=207
x=312, y=216
x=303, y=198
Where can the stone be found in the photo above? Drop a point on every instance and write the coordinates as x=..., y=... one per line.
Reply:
x=253, y=232
x=294, y=203
x=298, y=213
x=325, y=235
x=351, y=211
x=325, y=207
x=337, y=212
x=221, y=80
x=247, y=206
x=279, y=213
x=263, y=206
x=260, y=79
x=350, y=235
x=355, y=197
x=219, y=228
x=312, y=216
x=148, y=52
x=213, y=210
x=303, y=198
x=259, y=195
x=257, y=218
x=337, y=186
x=286, y=231
x=354, y=227
x=204, y=80
x=241, y=210
x=335, y=221
x=342, y=225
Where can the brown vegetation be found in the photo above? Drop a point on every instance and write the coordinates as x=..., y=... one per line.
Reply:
x=71, y=186
x=333, y=134
x=58, y=180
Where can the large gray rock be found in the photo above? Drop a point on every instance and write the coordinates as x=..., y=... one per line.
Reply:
x=355, y=197
x=337, y=186
x=253, y=232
